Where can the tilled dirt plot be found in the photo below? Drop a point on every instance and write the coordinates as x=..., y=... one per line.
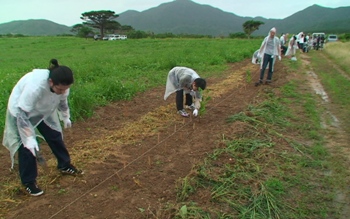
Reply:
x=133, y=152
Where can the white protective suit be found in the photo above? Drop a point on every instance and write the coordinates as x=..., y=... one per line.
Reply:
x=31, y=102
x=276, y=52
x=182, y=78
x=292, y=47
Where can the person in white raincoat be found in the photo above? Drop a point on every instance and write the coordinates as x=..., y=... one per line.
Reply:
x=37, y=103
x=292, y=47
x=270, y=49
x=185, y=80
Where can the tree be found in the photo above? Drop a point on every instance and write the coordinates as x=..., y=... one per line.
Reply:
x=81, y=30
x=99, y=19
x=250, y=26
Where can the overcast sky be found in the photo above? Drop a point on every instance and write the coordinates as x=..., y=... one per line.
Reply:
x=68, y=12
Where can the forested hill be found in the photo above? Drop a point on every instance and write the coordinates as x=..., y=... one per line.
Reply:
x=188, y=17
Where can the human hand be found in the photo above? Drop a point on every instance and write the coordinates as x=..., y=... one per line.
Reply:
x=192, y=93
x=279, y=58
x=32, y=146
x=195, y=112
x=67, y=123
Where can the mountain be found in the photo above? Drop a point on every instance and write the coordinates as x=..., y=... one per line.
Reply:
x=312, y=19
x=185, y=16
x=33, y=27
x=188, y=17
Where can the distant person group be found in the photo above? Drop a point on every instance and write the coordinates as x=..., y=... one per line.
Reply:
x=273, y=47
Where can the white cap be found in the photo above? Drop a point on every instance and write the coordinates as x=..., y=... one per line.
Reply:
x=273, y=29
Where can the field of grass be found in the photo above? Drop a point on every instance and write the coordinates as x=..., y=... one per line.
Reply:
x=279, y=167
x=106, y=71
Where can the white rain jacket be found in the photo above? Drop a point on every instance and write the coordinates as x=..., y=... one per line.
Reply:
x=276, y=51
x=182, y=78
x=31, y=102
x=292, y=47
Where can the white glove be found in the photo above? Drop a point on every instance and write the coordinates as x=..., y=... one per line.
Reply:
x=279, y=58
x=192, y=93
x=195, y=112
x=32, y=146
x=67, y=123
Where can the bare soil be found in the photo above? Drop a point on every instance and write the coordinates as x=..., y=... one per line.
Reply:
x=133, y=152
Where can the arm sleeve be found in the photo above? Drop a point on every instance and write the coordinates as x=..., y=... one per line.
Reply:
x=25, y=128
x=63, y=109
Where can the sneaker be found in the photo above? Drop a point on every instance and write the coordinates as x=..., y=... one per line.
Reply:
x=268, y=82
x=258, y=83
x=191, y=107
x=183, y=113
x=33, y=189
x=71, y=170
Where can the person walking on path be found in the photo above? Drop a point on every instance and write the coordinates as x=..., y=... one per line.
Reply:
x=37, y=103
x=185, y=80
x=292, y=47
x=270, y=49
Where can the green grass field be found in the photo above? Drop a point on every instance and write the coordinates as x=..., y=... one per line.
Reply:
x=106, y=71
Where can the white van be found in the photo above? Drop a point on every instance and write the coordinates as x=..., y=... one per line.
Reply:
x=122, y=37
x=314, y=35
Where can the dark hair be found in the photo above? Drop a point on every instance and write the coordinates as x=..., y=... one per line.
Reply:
x=60, y=74
x=200, y=82
x=53, y=64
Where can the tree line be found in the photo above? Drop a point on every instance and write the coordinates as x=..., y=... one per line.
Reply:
x=105, y=22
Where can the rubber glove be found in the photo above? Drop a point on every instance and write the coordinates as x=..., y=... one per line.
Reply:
x=279, y=58
x=192, y=93
x=32, y=146
x=195, y=112
x=67, y=123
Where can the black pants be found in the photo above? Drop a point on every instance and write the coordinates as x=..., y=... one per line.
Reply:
x=27, y=162
x=268, y=59
x=180, y=99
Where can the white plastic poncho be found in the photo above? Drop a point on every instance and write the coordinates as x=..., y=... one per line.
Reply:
x=276, y=50
x=31, y=102
x=181, y=78
x=292, y=47
x=256, y=59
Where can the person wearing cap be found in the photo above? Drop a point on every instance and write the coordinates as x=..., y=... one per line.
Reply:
x=269, y=50
x=183, y=80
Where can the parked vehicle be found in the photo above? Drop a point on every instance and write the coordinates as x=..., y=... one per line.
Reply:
x=118, y=37
x=332, y=38
x=113, y=37
x=97, y=37
x=122, y=37
x=106, y=37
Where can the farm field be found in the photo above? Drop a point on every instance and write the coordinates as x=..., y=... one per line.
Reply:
x=273, y=151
